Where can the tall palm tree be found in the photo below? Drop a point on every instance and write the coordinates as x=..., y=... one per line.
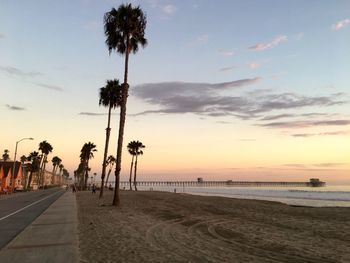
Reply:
x=56, y=161
x=45, y=149
x=137, y=151
x=87, y=152
x=131, y=150
x=110, y=96
x=34, y=165
x=110, y=161
x=6, y=155
x=125, y=31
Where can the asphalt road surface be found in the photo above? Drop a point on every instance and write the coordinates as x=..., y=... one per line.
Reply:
x=19, y=210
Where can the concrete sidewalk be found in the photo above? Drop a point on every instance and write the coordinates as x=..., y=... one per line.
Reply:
x=52, y=237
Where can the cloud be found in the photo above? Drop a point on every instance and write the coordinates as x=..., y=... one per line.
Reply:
x=2, y=35
x=169, y=9
x=329, y=164
x=276, y=117
x=226, y=53
x=335, y=133
x=304, y=124
x=92, y=114
x=15, y=72
x=309, y=115
x=200, y=40
x=227, y=68
x=48, y=86
x=216, y=100
x=341, y=24
x=14, y=108
x=262, y=46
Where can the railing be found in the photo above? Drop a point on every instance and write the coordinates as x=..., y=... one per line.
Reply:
x=223, y=183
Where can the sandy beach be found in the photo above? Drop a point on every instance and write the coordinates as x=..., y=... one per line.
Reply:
x=168, y=227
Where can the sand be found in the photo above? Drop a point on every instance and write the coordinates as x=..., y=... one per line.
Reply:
x=169, y=227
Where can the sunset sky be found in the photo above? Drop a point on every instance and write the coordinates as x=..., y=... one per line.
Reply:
x=241, y=90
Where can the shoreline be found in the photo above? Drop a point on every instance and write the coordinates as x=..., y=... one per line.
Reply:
x=167, y=227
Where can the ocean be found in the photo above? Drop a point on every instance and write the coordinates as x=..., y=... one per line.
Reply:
x=327, y=196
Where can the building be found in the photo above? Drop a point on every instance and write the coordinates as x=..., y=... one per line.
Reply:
x=6, y=175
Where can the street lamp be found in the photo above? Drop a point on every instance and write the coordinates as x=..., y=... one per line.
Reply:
x=14, y=163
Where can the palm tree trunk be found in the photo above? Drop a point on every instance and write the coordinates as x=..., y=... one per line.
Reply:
x=109, y=172
x=132, y=162
x=125, y=87
x=29, y=180
x=108, y=131
x=41, y=164
x=135, y=184
x=86, y=174
x=43, y=171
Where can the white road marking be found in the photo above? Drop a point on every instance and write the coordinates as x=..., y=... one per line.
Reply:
x=19, y=210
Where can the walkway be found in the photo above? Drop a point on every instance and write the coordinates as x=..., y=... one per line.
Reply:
x=51, y=238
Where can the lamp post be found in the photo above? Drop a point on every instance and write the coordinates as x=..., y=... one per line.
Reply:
x=14, y=163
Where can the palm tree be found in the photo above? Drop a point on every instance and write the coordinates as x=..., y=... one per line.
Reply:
x=34, y=165
x=137, y=152
x=110, y=96
x=125, y=31
x=131, y=150
x=45, y=149
x=65, y=174
x=79, y=174
x=87, y=152
x=110, y=161
x=61, y=166
x=6, y=155
x=56, y=161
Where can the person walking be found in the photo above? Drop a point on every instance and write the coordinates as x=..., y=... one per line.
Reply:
x=93, y=189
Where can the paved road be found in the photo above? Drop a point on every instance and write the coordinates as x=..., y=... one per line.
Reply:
x=18, y=211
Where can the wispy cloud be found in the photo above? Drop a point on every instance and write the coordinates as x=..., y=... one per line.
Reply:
x=169, y=9
x=48, y=86
x=276, y=117
x=206, y=99
x=288, y=115
x=14, y=108
x=2, y=35
x=16, y=72
x=304, y=124
x=200, y=40
x=92, y=114
x=335, y=133
x=227, y=68
x=341, y=24
x=226, y=53
x=329, y=164
x=276, y=41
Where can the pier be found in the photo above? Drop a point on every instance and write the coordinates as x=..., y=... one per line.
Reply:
x=200, y=183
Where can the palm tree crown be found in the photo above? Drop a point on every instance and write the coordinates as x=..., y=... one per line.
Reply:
x=110, y=95
x=45, y=147
x=125, y=29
